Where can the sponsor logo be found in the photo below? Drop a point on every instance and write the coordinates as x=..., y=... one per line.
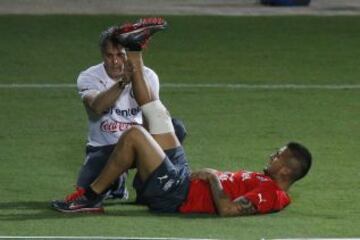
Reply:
x=226, y=176
x=124, y=112
x=168, y=184
x=112, y=126
x=261, y=198
x=75, y=206
x=245, y=176
x=163, y=178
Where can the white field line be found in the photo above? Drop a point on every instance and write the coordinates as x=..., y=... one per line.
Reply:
x=209, y=85
x=261, y=86
x=37, y=85
x=148, y=238
x=99, y=238
x=311, y=239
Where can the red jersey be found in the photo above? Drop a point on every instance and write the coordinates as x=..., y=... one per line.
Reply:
x=263, y=192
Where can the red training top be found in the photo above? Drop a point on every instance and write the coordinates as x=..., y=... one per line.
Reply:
x=263, y=192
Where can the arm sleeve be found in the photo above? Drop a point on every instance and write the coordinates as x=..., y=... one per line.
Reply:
x=153, y=81
x=86, y=85
x=263, y=199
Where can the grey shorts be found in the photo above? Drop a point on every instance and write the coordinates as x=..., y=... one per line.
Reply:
x=167, y=187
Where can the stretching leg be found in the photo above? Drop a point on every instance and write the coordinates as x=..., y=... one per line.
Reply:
x=143, y=96
x=135, y=148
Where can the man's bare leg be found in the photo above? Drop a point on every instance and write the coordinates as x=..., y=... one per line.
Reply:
x=135, y=148
x=143, y=95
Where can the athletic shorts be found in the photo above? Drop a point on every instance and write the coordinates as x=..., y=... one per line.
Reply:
x=167, y=187
x=95, y=160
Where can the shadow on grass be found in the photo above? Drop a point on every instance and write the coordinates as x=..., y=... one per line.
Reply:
x=37, y=210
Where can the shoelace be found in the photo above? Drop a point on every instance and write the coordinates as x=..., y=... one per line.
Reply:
x=75, y=195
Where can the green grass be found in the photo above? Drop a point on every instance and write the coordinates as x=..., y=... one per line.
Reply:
x=43, y=131
x=194, y=49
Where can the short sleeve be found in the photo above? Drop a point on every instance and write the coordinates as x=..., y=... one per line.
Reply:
x=267, y=198
x=86, y=85
x=153, y=81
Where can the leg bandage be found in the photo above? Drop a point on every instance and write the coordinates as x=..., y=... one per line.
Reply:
x=158, y=117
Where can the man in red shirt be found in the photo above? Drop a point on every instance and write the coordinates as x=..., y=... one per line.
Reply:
x=163, y=181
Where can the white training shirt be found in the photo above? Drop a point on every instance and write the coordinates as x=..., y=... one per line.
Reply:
x=107, y=129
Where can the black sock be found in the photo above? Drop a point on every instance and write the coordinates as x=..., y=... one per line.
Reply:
x=90, y=194
x=135, y=47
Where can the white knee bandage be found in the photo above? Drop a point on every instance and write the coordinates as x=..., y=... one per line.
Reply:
x=158, y=117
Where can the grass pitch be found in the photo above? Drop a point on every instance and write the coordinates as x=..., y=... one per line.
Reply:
x=43, y=131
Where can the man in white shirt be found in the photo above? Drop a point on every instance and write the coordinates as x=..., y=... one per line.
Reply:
x=106, y=92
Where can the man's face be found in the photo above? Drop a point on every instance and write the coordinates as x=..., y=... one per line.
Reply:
x=277, y=161
x=114, y=58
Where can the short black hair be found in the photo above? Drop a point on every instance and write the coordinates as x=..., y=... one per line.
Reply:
x=303, y=157
x=108, y=36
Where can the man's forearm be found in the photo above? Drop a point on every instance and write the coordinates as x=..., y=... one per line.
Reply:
x=221, y=200
x=106, y=99
x=224, y=205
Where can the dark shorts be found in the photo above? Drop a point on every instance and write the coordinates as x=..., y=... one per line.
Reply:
x=95, y=160
x=167, y=187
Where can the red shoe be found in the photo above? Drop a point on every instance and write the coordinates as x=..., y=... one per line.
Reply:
x=135, y=36
x=78, y=202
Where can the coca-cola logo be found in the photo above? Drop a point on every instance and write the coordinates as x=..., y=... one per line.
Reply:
x=111, y=126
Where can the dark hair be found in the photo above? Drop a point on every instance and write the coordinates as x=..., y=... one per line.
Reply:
x=108, y=36
x=303, y=158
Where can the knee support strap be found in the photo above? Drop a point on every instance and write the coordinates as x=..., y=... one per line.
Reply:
x=158, y=117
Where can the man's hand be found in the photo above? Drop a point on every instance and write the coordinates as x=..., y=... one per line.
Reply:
x=127, y=75
x=100, y=102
